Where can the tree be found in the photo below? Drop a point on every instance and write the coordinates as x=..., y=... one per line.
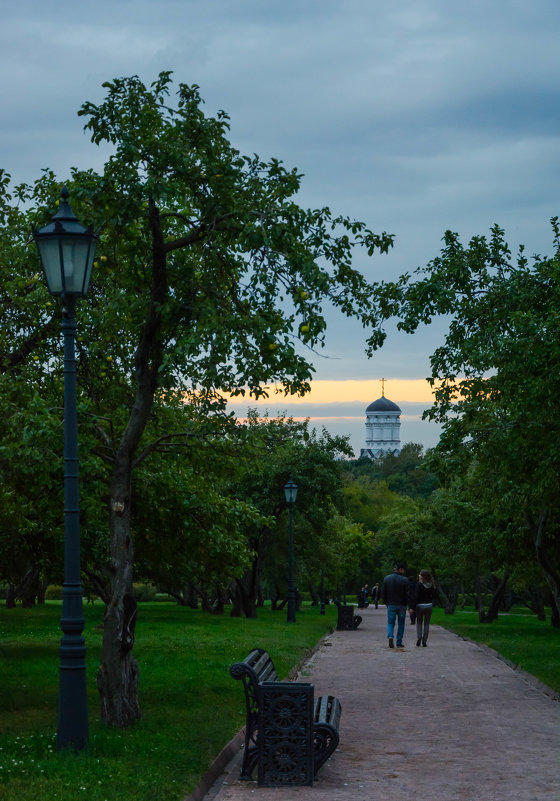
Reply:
x=274, y=449
x=498, y=371
x=189, y=529
x=209, y=279
x=405, y=473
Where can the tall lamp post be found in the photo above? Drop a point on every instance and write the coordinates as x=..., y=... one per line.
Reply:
x=290, y=491
x=66, y=250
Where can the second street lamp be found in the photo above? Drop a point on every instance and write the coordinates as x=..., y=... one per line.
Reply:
x=66, y=250
x=290, y=492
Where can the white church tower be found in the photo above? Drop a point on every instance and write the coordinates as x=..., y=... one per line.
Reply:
x=383, y=423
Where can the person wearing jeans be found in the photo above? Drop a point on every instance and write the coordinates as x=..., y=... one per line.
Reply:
x=422, y=601
x=395, y=595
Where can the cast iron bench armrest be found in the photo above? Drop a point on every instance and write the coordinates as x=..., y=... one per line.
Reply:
x=255, y=668
x=256, y=672
x=325, y=728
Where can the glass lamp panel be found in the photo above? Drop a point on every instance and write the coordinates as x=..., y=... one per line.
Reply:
x=75, y=254
x=50, y=259
x=290, y=492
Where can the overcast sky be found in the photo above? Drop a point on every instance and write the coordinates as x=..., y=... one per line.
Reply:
x=416, y=117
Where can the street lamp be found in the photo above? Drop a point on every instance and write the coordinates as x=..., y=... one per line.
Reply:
x=290, y=491
x=66, y=250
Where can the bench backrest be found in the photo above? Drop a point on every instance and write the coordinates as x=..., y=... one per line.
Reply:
x=255, y=668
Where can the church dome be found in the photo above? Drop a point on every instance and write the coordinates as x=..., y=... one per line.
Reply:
x=383, y=405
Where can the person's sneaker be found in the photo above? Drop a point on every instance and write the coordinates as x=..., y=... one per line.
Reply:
x=425, y=644
x=418, y=642
x=400, y=645
x=391, y=644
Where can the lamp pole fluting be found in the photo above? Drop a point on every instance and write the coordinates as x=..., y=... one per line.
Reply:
x=72, y=707
x=290, y=491
x=67, y=250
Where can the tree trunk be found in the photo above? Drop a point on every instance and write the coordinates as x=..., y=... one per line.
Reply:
x=184, y=597
x=28, y=587
x=117, y=678
x=11, y=596
x=496, y=602
x=236, y=601
x=100, y=587
x=535, y=601
x=221, y=600
x=448, y=603
x=246, y=589
x=247, y=594
x=552, y=576
x=315, y=600
x=274, y=596
x=206, y=601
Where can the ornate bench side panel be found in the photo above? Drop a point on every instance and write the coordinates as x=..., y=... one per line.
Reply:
x=285, y=742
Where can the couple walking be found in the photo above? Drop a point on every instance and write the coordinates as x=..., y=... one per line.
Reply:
x=400, y=593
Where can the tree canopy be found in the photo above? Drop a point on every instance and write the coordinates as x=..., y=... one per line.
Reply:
x=496, y=384
x=209, y=279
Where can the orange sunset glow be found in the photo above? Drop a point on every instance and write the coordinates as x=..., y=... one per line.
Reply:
x=411, y=391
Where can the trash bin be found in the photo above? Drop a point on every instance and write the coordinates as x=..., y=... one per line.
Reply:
x=345, y=618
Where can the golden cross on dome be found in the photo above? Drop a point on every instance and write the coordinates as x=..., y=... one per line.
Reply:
x=383, y=387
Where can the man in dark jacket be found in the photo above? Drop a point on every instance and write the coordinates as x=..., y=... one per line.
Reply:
x=395, y=596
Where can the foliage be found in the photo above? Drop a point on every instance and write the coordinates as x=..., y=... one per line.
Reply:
x=497, y=386
x=405, y=473
x=209, y=279
x=274, y=449
x=378, y=490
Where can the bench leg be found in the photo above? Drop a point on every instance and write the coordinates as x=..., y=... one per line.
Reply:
x=250, y=757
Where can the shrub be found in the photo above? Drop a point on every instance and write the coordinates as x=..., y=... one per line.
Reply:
x=145, y=592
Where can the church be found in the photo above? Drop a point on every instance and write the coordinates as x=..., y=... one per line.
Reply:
x=383, y=423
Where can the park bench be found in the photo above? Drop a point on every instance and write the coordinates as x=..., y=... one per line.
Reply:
x=289, y=734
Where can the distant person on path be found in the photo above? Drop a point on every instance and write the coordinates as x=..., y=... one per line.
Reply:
x=395, y=594
x=361, y=599
x=422, y=602
x=376, y=595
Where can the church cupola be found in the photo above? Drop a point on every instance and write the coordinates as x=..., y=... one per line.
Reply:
x=383, y=423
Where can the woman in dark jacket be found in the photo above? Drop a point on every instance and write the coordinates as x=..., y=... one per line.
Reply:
x=422, y=602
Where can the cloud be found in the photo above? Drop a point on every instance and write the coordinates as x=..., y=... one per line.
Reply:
x=417, y=116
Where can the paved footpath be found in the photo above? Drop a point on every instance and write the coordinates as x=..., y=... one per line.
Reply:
x=450, y=722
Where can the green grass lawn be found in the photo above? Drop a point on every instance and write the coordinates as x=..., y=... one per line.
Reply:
x=191, y=706
x=531, y=644
x=186, y=695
